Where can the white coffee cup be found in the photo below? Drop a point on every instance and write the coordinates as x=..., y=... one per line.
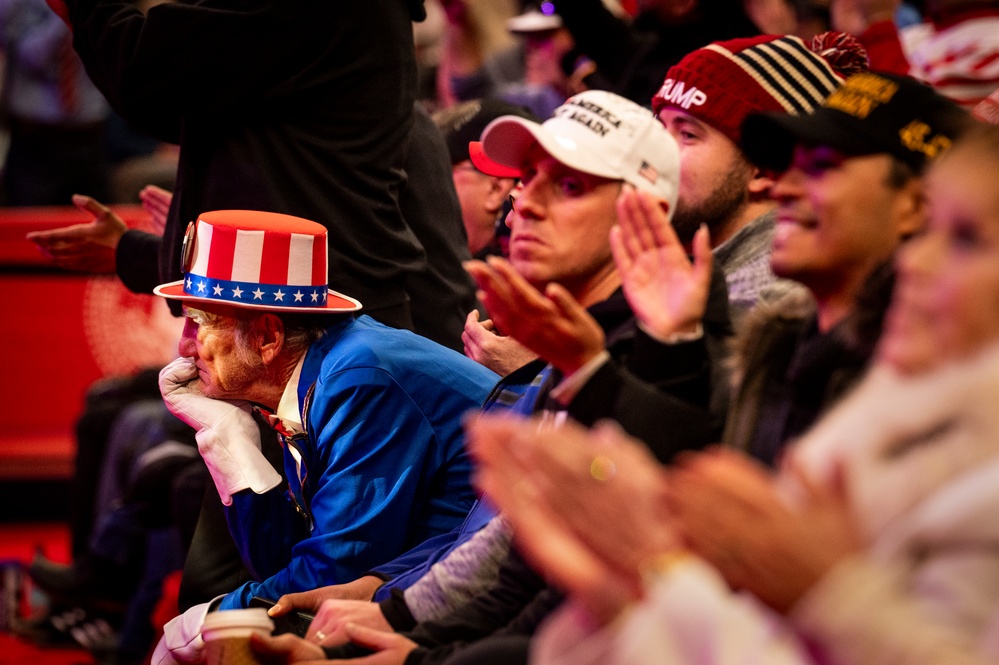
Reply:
x=227, y=635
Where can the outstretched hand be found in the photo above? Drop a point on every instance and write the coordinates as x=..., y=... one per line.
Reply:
x=553, y=324
x=88, y=247
x=667, y=292
x=156, y=201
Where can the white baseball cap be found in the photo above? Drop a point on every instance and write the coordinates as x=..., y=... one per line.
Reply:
x=595, y=132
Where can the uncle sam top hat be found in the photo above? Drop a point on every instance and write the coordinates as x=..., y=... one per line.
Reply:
x=258, y=260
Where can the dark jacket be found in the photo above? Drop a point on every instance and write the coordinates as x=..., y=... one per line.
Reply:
x=442, y=293
x=787, y=373
x=281, y=105
x=671, y=396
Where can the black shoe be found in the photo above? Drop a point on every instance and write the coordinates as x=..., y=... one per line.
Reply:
x=58, y=579
x=81, y=583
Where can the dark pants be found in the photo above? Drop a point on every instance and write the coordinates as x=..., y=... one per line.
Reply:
x=501, y=650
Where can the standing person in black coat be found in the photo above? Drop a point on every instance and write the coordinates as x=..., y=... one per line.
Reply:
x=278, y=105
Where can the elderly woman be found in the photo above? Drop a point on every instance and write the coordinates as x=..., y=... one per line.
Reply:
x=877, y=542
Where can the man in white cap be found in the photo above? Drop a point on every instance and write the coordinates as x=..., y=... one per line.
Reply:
x=369, y=416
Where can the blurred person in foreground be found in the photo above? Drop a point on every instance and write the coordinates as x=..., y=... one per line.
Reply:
x=875, y=543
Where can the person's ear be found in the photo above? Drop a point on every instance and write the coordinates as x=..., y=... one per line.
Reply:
x=910, y=209
x=499, y=190
x=760, y=184
x=269, y=330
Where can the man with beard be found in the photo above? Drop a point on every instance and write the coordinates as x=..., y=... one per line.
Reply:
x=702, y=102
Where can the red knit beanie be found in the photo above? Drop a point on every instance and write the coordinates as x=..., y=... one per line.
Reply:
x=724, y=82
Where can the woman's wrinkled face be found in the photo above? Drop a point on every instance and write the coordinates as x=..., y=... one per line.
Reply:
x=946, y=301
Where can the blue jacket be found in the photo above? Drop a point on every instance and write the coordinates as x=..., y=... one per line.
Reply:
x=382, y=465
x=676, y=391
x=517, y=392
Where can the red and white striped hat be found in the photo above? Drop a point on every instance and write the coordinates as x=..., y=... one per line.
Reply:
x=258, y=260
x=723, y=82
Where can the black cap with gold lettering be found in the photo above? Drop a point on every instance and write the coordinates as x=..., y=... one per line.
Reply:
x=870, y=113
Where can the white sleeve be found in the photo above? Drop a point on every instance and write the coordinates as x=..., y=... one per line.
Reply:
x=689, y=617
x=864, y=612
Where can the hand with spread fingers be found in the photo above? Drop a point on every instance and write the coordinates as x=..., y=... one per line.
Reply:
x=732, y=512
x=88, y=247
x=156, y=201
x=667, y=292
x=553, y=324
x=483, y=344
x=586, y=507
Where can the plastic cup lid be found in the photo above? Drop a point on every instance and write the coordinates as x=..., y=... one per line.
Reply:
x=254, y=618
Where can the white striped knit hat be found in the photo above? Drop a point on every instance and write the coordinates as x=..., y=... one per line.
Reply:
x=724, y=82
x=258, y=260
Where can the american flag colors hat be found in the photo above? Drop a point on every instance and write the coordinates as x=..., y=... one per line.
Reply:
x=257, y=260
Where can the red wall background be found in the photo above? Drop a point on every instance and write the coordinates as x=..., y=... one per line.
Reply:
x=62, y=331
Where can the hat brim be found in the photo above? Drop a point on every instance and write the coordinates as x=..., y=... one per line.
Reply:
x=768, y=139
x=507, y=139
x=533, y=22
x=482, y=162
x=336, y=303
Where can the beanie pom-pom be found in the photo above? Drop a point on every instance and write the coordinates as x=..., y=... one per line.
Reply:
x=842, y=51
